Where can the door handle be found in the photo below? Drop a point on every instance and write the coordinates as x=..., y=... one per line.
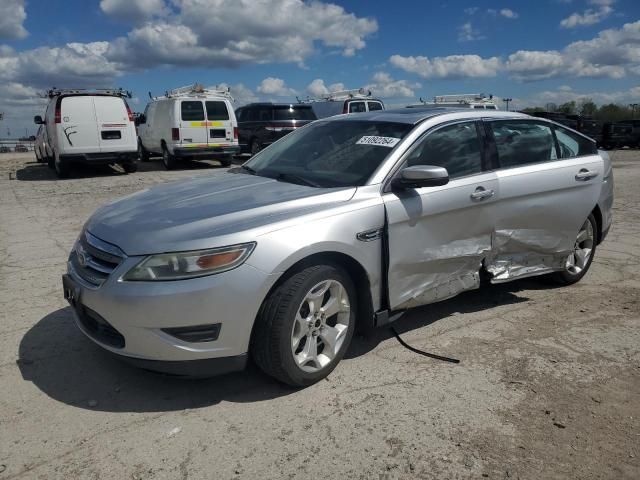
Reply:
x=584, y=175
x=481, y=193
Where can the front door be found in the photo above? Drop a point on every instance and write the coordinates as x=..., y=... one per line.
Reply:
x=193, y=124
x=440, y=236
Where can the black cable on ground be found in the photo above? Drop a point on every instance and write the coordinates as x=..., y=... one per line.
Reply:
x=420, y=352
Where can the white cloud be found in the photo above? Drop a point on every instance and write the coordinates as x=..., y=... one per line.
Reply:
x=471, y=10
x=12, y=17
x=134, y=10
x=383, y=85
x=466, y=33
x=562, y=95
x=241, y=93
x=275, y=86
x=508, y=13
x=453, y=66
x=589, y=16
x=317, y=88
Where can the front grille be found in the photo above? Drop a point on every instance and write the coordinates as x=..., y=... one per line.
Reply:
x=98, y=328
x=93, y=260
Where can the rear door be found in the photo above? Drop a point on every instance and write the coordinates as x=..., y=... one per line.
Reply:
x=193, y=124
x=546, y=192
x=220, y=123
x=78, y=132
x=115, y=131
x=357, y=107
x=374, y=105
x=439, y=236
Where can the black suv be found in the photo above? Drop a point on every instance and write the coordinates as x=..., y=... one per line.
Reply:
x=261, y=124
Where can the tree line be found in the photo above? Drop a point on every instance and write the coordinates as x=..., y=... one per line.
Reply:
x=606, y=113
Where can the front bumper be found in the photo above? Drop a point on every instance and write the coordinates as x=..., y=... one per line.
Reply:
x=206, y=152
x=130, y=319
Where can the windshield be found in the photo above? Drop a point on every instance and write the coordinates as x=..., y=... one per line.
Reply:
x=329, y=153
x=293, y=113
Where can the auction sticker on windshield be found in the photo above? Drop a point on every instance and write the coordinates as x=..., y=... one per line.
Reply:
x=389, y=142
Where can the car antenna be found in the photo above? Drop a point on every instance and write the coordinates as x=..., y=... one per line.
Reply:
x=150, y=96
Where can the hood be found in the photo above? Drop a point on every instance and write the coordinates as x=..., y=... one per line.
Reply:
x=189, y=214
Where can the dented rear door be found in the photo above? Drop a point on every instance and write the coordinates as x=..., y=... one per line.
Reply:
x=544, y=199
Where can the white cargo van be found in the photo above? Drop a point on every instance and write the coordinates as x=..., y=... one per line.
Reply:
x=475, y=101
x=88, y=126
x=189, y=123
x=344, y=101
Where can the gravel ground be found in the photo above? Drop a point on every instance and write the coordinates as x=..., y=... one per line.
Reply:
x=548, y=385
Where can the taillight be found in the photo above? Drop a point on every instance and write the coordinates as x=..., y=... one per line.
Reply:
x=175, y=134
x=58, y=112
x=129, y=112
x=345, y=108
x=235, y=133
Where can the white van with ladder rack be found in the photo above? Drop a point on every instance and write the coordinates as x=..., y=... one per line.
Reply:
x=343, y=101
x=475, y=101
x=90, y=126
x=191, y=122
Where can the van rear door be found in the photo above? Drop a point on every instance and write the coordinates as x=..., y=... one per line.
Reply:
x=220, y=123
x=116, y=132
x=78, y=132
x=193, y=125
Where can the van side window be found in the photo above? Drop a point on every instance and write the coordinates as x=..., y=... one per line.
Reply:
x=357, y=107
x=240, y=114
x=217, y=111
x=574, y=145
x=192, y=110
x=374, y=106
x=454, y=147
x=522, y=142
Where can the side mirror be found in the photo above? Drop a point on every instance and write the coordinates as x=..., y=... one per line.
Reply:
x=38, y=120
x=421, y=176
x=141, y=119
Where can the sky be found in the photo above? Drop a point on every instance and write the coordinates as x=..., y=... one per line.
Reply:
x=533, y=51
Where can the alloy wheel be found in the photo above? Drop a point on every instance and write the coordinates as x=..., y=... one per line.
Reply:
x=582, y=249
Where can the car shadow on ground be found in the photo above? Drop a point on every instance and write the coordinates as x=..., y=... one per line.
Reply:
x=68, y=367
x=34, y=171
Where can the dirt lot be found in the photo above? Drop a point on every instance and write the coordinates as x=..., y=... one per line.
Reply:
x=548, y=385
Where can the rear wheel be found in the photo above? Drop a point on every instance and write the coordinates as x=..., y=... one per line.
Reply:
x=579, y=261
x=63, y=169
x=305, y=325
x=168, y=160
x=255, y=146
x=225, y=161
x=130, y=167
x=38, y=156
x=143, y=154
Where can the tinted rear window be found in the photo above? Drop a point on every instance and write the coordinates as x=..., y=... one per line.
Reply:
x=217, y=111
x=375, y=106
x=357, y=107
x=573, y=145
x=293, y=113
x=522, y=143
x=192, y=111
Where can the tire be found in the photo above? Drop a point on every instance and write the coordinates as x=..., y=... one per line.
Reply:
x=63, y=169
x=255, y=146
x=226, y=161
x=130, y=167
x=274, y=347
x=577, y=266
x=168, y=160
x=39, y=158
x=143, y=154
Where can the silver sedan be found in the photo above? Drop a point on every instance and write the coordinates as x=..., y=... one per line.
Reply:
x=344, y=223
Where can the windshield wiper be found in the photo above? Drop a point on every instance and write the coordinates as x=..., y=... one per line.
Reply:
x=293, y=178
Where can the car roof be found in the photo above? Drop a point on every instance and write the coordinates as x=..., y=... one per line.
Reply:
x=417, y=115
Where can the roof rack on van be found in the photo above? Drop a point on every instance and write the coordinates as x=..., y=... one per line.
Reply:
x=56, y=92
x=338, y=95
x=197, y=90
x=464, y=99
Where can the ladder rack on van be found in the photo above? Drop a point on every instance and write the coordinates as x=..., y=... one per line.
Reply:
x=117, y=92
x=196, y=90
x=339, y=95
x=463, y=99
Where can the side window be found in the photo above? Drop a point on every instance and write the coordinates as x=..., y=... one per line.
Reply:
x=523, y=142
x=357, y=107
x=192, y=110
x=454, y=147
x=251, y=114
x=264, y=114
x=574, y=145
x=217, y=111
x=478, y=107
x=240, y=114
x=374, y=106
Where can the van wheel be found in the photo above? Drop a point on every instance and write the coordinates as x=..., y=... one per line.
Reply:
x=143, y=154
x=305, y=325
x=580, y=259
x=168, y=160
x=255, y=146
x=225, y=161
x=130, y=167
x=38, y=156
x=62, y=168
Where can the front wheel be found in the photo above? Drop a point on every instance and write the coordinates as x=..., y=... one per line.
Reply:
x=579, y=261
x=305, y=325
x=143, y=153
x=168, y=160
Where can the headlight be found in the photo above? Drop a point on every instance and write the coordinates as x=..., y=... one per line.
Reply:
x=183, y=265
